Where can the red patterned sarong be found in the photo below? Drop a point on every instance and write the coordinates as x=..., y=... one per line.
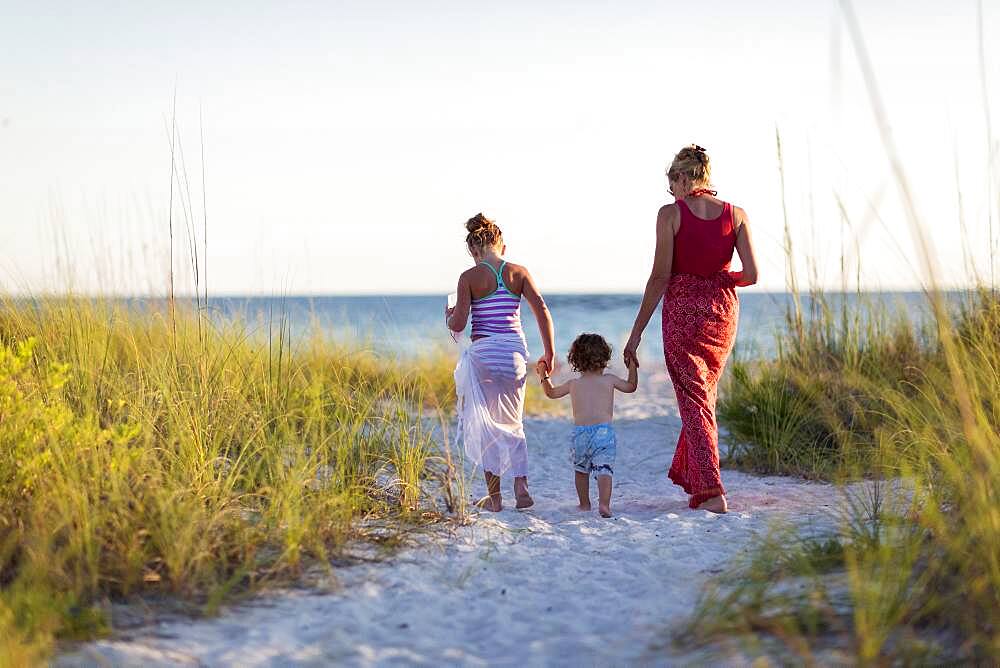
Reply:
x=699, y=328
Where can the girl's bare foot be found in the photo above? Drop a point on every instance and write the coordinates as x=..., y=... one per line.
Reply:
x=494, y=505
x=492, y=501
x=584, y=507
x=717, y=504
x=604, y=510
x=521, y=495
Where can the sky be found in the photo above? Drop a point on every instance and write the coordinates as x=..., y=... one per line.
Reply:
x=342, y=145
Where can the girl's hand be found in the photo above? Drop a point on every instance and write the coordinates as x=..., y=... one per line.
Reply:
x=548, y=361
x=631, y=351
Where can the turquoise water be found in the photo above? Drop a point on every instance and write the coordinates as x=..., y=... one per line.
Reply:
x=406, y=325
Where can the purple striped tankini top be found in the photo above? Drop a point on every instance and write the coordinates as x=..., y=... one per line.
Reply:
x=499, y=312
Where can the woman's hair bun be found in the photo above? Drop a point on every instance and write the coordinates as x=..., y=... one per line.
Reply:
x=692, y=160
x=482, y=232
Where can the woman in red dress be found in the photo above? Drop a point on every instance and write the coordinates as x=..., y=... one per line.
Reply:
x=695, y=238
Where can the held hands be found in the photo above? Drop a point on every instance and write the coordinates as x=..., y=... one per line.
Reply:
x=544, y=365
x=631, y=352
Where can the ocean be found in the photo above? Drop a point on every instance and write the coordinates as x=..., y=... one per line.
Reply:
x=411, y=324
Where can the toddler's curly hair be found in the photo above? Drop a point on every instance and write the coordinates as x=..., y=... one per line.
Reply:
x=589, y=352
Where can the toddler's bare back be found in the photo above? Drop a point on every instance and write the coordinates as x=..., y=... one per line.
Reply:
x=593, y=397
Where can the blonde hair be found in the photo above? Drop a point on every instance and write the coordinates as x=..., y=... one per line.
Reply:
x=482, y=232
x=691, y=161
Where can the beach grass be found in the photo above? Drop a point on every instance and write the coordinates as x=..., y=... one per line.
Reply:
x=913, y=575
x=160, y=452
x=816, y=408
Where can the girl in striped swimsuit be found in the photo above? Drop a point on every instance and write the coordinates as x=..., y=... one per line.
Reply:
x=490, y=376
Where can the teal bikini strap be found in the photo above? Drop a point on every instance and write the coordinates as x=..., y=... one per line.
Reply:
x=495, y=272
x=500, y=280
x=498, y=273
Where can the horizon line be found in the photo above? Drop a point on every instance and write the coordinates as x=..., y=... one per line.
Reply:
x=312, y=295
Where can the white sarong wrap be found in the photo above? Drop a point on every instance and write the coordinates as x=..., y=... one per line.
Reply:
x=489, y=381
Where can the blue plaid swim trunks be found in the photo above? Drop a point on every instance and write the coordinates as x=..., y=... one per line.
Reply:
x=594, y=448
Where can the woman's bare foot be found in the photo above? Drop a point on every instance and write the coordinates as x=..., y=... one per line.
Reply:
x=604, y=510
x=494, y=505
x=717, y=504
x=583, y=507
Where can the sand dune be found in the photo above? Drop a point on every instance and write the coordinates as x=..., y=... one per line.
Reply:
x=551, y=586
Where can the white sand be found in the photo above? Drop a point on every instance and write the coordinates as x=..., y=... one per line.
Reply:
x=551, y=586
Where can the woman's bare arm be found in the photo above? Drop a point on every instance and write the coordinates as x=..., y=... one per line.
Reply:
x=542, y=316
x=744, y=248
x=458, y=316
x=659, y=276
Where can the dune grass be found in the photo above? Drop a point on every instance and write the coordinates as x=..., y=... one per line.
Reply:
x=914, y=573
x=817, y=408
x=152, y=453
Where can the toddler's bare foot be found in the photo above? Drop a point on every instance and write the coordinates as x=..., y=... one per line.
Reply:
x=585, y=507
x=717, y=504
x=490, y=504
x=605, y=511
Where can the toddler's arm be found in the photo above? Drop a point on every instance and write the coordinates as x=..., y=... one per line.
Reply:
x=551, y=391
x=630, y=385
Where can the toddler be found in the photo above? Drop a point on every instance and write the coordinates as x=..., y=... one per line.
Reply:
x=593, y=398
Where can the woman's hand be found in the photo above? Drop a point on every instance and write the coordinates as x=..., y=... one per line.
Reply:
x=631, y=351
x=447, y=314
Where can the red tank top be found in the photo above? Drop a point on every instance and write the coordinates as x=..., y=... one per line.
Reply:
x=704, y=247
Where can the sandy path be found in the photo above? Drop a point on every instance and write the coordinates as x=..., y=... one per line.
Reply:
x=551, y=586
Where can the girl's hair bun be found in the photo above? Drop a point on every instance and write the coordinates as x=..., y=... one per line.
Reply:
x=482, y=232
